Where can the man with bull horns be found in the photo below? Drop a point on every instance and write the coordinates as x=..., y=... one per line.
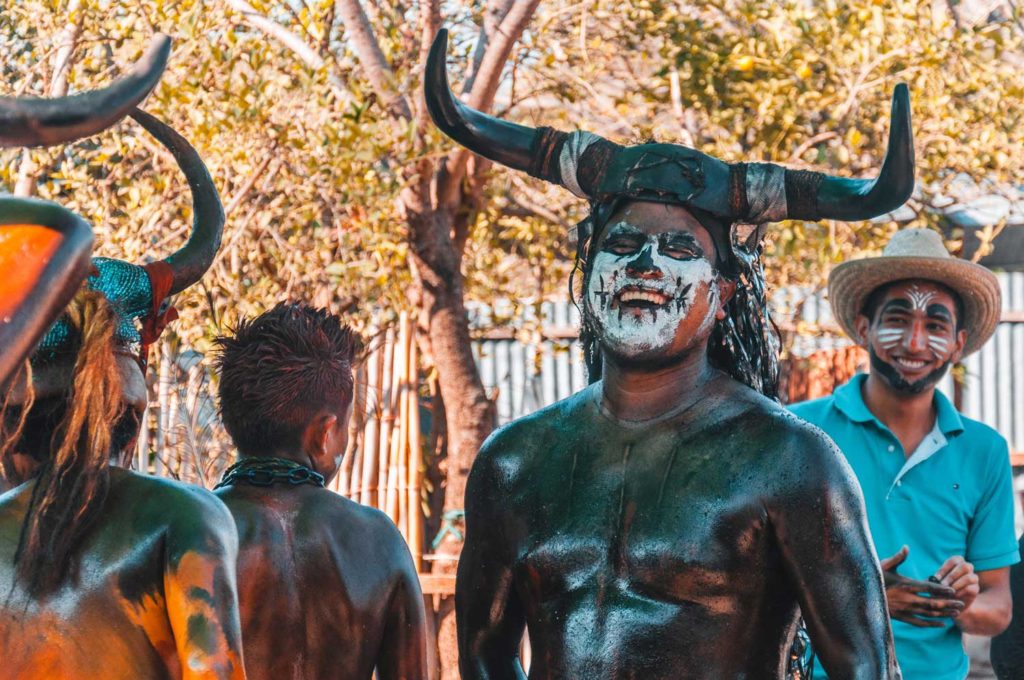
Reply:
x=105, y=573
x=669, y=520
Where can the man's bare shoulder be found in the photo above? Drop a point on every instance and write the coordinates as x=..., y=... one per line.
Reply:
x=540, y=430
x=157, y=502
x=783, y=441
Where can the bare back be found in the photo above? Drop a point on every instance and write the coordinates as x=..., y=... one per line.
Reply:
x=327, y=587
x=153, y=597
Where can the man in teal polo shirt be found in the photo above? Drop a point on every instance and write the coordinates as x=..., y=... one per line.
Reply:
x=937, y=485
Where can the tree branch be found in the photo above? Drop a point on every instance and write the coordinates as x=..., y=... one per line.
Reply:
x=28, y=170
x=430, y=22
x=495, y=13
x=371, y=57
x=488, y=78
x=310, y=57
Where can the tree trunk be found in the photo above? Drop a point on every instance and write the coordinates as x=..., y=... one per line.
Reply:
x=438, y=294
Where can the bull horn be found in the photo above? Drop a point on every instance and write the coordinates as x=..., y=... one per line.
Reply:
x=506, y=143
x=195, y=257
x=840, y=198
x=35, y=121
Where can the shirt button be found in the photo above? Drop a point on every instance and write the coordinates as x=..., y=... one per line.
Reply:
x=899, y=482
x=891, y=448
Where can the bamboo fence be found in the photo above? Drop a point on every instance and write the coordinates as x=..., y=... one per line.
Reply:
x=384, y=467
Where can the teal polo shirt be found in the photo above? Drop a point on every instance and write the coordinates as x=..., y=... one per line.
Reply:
x=953, y=496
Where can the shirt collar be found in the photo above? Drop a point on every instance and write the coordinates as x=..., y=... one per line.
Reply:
x=849, y=399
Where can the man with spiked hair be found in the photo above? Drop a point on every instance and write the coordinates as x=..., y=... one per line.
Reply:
x=105, y=573
x=327, y=587
x=937, y=484
x=669, y=520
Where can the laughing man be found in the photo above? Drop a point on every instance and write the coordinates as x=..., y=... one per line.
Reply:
x=937, y=485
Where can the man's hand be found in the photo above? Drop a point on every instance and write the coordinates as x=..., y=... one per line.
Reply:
x=907, y=604
x=958, y=574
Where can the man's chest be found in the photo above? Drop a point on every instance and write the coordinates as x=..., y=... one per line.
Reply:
x=672, y=519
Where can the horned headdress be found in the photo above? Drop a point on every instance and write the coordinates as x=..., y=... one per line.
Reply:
x=44, y=248
x=718, y=194
x=134, y=291
x=602, y=171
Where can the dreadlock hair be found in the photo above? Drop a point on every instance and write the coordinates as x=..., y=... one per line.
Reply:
x=12, y=420
x=70, y=436
x=744, y=344
x=279, y=370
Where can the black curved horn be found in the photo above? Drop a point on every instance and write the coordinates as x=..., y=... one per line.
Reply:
x=840, y=198
x=498, y=140
x=35, y=121
x=192, y=261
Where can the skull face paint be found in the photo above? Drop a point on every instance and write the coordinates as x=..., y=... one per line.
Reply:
x=642, y=287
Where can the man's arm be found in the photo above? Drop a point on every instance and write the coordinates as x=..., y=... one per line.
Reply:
x=403, y=650
x=982, y=576
x=920, y=603
x=985, y=594
x=199, y=584
x=489, y=616
x=822, y=531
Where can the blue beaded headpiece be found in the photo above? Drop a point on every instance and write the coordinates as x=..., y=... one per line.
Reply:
x=130, y=287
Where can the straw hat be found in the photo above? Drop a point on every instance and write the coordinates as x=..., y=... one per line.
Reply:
x=918, y=254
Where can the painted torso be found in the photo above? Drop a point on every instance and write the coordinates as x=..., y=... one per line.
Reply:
x=112, y=620
x=317, y=575
x=653, y=550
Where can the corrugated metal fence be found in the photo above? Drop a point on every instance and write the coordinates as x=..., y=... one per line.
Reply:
x=534, y=358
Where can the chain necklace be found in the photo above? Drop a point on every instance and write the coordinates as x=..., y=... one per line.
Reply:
x=270, y=471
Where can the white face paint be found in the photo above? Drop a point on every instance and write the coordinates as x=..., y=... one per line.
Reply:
x=642, y=287
x=889, y=338
x=919, y=299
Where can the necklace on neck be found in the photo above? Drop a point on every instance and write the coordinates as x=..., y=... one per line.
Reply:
x=270, y=471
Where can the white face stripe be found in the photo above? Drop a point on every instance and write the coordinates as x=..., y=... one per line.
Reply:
x=890, y=337
x=919, y=299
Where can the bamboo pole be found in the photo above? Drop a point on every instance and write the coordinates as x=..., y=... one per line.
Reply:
x=351, y=463
x=171, y=454
x=163, y=386
x=402, y=462
x=386, y=420
x=142, y=445
x=397, y=383
x=371, y=431
x=415, y=460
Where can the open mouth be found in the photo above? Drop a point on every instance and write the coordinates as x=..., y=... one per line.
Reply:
x=910, y=364
x=642, y=298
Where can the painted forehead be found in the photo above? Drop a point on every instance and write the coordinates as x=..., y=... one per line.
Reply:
x=919, y=296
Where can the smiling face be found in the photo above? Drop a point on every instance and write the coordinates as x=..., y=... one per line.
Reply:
x=912, y=335
x=652, y=290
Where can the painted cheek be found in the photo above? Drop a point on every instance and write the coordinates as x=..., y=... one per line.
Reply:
x=890, y=338
x=938, y=344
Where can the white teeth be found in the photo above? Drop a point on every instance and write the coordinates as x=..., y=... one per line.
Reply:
x=643, y=296
x=910, y=363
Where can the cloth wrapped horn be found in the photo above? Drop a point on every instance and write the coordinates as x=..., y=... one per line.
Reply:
x=137, y=291
x=599, y=170
x=195, y=257
x=34, y=121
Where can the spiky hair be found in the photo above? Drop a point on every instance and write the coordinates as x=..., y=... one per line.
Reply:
x=279, y=370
